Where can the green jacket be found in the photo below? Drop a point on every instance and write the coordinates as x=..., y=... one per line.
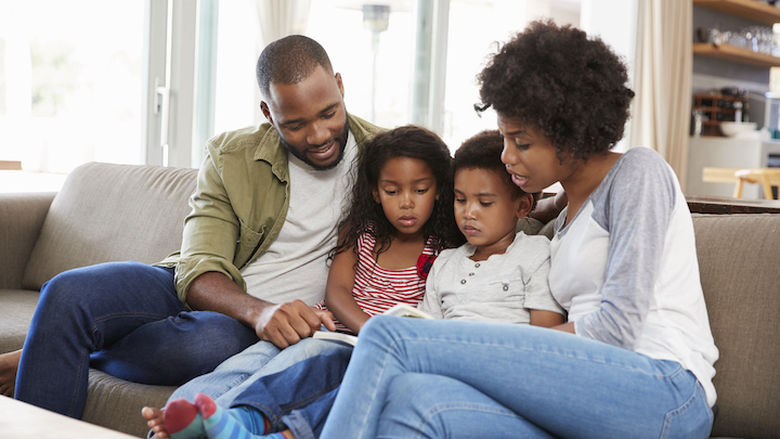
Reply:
x=239, y=204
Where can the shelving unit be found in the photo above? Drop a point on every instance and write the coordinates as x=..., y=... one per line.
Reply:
x=751, y=9
x=735, y=53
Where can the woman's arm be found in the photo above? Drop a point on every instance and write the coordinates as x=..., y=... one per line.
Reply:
x=546, y=319
x=338, y=292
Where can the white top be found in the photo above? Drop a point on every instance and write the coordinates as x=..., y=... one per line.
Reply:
x=294, y=266
x=626, y=270
x=502, y=288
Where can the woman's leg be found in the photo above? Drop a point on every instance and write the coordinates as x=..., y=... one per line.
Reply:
x=434, y=406
x=564, y=384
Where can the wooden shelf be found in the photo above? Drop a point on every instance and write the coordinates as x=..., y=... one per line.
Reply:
x=750, y=9
x=734, y=53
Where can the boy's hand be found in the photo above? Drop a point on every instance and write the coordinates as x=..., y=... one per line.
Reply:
x=287, y=323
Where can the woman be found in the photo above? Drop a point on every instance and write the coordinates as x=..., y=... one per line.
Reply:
x=635, y=357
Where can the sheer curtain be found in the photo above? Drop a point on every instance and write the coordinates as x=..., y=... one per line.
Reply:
x=664, y=63
x=279, y=18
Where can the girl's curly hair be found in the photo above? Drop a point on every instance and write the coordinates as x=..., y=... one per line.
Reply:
x=569, y=87
x=366, y=215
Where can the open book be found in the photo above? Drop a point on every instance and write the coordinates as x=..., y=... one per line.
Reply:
x=400, y=310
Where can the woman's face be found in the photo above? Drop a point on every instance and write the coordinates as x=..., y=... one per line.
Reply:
x=529, y=156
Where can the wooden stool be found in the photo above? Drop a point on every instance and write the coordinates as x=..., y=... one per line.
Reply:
x=766, y=177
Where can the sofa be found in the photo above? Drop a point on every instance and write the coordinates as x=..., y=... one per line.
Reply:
x=108, y=212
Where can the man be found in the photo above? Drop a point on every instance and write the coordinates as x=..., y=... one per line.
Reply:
x=264, y=216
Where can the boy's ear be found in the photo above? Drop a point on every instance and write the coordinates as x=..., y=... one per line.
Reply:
x=524, y=204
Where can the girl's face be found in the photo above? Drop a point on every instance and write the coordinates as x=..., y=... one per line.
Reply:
x=407, y=190
x=529, y=156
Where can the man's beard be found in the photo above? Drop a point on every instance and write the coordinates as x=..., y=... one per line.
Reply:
x=302, y=155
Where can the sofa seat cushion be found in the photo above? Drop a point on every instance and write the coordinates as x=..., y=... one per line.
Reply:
x=17, y=309
x=116, y=404
x=108, y=212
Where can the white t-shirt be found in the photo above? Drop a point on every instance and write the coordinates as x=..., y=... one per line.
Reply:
x=294, y=266
x=502, y=288
x=626, y=270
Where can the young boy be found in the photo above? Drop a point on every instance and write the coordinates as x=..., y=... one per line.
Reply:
x=498, y=274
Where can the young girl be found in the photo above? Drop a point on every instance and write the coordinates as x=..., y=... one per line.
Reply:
x=400, y=218
x=635, y=358
x=500, y=274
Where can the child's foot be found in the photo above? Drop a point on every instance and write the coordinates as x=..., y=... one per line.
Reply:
x=178, y=420
x=9, y=364
x=154, y=419
x=220, y=423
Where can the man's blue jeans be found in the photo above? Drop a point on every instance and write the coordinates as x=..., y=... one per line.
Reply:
x=432, y=378
x=126, y=319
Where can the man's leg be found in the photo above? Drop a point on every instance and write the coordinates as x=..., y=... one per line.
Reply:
x=127, y=317
x=176, y=349
x=81, y=311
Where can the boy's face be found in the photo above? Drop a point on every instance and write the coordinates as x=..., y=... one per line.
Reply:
x=485, y=211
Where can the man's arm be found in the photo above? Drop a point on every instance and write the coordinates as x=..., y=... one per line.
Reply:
x=282, y=324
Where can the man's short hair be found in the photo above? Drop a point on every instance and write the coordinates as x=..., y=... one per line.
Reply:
x=290, y=60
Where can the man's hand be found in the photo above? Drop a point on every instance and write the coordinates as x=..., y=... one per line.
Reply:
x=287, y=323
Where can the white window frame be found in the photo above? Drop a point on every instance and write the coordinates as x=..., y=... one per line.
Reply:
x=169, y=81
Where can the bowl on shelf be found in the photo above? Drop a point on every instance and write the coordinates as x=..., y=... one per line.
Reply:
x=733, y=129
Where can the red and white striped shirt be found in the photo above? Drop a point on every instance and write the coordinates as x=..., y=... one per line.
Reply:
x=377, y=289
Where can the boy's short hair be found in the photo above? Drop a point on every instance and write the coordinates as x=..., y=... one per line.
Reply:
x=483, y=151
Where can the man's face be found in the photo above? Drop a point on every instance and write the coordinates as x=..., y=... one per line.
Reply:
x=310, y=118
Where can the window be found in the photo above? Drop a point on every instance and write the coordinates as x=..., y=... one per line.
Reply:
x=70, y=85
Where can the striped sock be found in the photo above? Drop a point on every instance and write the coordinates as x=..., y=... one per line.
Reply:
x=182, y=420
x=220, y=423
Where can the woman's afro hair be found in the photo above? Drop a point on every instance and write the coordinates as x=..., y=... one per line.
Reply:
x=557, y=80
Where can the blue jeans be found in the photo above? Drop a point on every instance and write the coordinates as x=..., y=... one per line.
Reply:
x=294, y=376
x=300, y=396
x=126, y=319
x=419, y=378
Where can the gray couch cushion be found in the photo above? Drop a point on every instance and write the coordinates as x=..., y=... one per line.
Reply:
x=17, y=310
x=738, y=261
x=116, y=404
x=107, y=212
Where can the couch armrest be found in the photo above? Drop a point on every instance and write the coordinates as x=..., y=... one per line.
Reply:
x=21, y=218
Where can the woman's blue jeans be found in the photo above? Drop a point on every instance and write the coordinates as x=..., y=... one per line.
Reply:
x=126, y=319
x=412, y=378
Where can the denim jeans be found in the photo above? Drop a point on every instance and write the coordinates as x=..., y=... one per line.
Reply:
x=126, y=319
x=300, y=396
x=420, y=378
x=283, y=384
